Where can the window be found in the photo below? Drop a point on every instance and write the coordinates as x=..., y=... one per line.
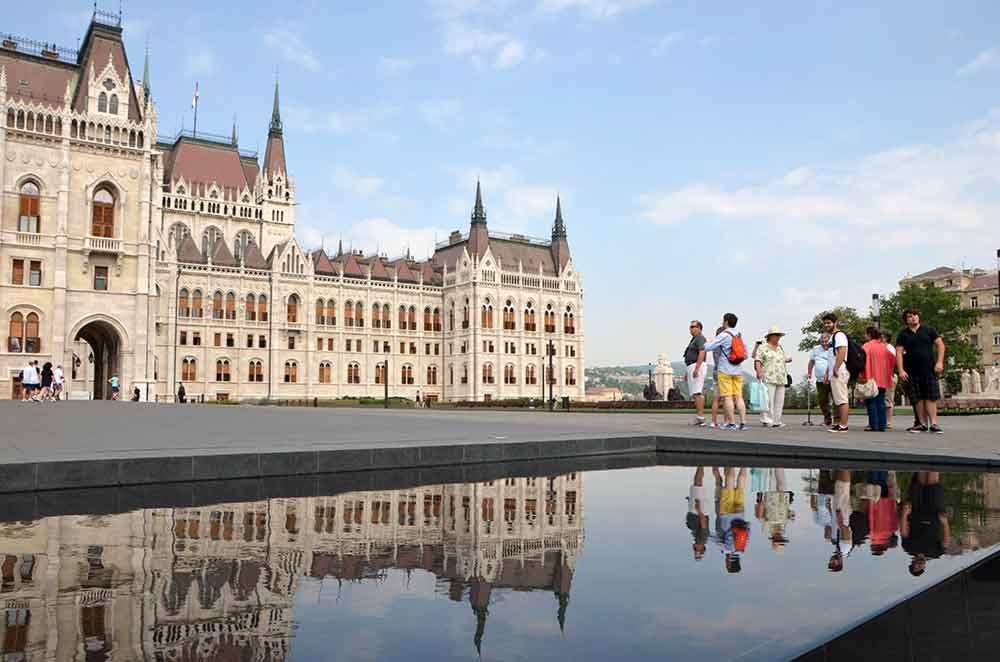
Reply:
x=386, y=317
x=406, y=374
x=102, y=103
x=432, y=375
x=32, y=339
x=320, y=312
x=380, y=373
x=17, y=272
x=325, y=370
x=217, y=306
x=996, y=337
x=262, y=308
x=974, y=302
x=376, y=316
x=329, y=344
x=529, y=375
x=319, y=344
x=28, y=220
x=293, y=309
x=196, y=337
x=291, y=372
x=189, y=370
x=508, y=375
x=249, y=340
x=184, y=337
x=465, y=373
x=413, y=348
x=402, y=318
x=569, y=321
x=996, y=300
x=570, y=376
x=488, y=373
x=451, y=318
x=291, y=342
x=331, y=313
x=15, y=333
x=437, y=319
x=113, y=104
x=412, y=317
x=196, y=303
x=529, y=318
x=550, y=319
x=359, y=315
x=230, y=342
x=256, y=373
x=348, y=314
x=427, y=349
x=222, y=370
x=487, y=316
x=428, y=324
x=230, y=306
x=100, y=278
x=437, y=349
x=183, y=303
x=103, y=218
x=451, y=374
x=251, y=308
x=465, y=315
x=353, y=373
x=509, y=320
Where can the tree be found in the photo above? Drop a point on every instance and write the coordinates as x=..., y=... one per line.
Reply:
x=848, y=320
x=943, y=311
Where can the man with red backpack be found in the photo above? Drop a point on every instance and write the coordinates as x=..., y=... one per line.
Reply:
x=732, y=528
x=730, y=379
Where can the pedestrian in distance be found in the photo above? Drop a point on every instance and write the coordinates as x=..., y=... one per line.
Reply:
x=136, y=394
x=695, y=370
x=820, y=359
x=181, y=394
x=920, y=354
x=114, y=386
x=46, y=381
x=730, y=378
x=29, y=380
x=879, y=367
x=838, y=374
x=890, y=393
x=771, y=365
x=58, y=380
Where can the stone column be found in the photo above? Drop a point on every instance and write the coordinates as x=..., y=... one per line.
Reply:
x=61, y=345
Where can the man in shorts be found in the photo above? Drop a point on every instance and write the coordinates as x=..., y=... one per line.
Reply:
x=839, y=376
x=731, y=524
x=697, y=518
x=923, y=523
x=694, y=360
x=819, y=369
x=58, y=379
x=730, y=378
x=919, y=360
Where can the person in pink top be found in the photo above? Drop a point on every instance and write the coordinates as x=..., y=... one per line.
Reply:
x=879, y=366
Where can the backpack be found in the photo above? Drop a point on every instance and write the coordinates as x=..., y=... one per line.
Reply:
x=741, y=534
x=738, y=351
x=856, y=358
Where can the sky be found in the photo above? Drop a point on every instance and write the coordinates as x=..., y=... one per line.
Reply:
x=773, y=159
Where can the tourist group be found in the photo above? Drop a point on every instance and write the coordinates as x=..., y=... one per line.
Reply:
x=915, y=362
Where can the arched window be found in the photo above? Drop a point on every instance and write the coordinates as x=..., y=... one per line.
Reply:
x=487, y=316
x=222, y=370
x=413, y=318
x=15, y=333
x=386, y=316
x=451, y=318
x=231, y=306
x=509, y=318
x=359, y=314
x=103, y=221
x=432, y=375
x=570, y=376
x=325, y=370
x=196, y=303
x=569, y=321
x=291, y=372
x=451, y=374
x=29, y=218
x=32, y=338
x=217, y=306
x=102, y=103
x=183, y=304
x=550, y=319
x=428, y=324
x=189, y=370
x=376, y=316
x=262, y=308
x=509, y=377
x=320, y=311
x=251, y=308
x=256, y=372
x=240, y=243
x=406, y=374
x=348, y=314
x=488, y=373
x=529, y=318
x=402, y=318
x=437, y=319
x=176, y=235
x=465, y=315
x=331, y=313
x=293, y=309
x=113, y=104
x=211, y=235
x=380, y=373
x=353, y=373
x=529, y=375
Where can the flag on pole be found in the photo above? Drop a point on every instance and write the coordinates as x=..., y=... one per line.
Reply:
x=194, y=100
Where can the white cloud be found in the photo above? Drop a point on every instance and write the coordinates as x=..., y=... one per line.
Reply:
x=903, y=196
x=987, y=59
x=359, y=185
x=482, y=48
x=292, y=46
x=510, y=54
x=338, y=122
x=440, y=113
x=593, y=8
x=395, y=66
x=514, y=204
x=394, y=240
x=201, y=64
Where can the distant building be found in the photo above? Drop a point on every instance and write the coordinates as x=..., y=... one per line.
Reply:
x=977, y=288
x=604, y=394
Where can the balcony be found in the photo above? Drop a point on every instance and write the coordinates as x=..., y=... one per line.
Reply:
x=102, y=245
x=27, y=239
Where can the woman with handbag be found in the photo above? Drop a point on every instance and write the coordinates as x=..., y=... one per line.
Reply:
x=771, y=363
x=876, y=379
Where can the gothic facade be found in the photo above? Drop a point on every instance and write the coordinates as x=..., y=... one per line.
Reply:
x=174, y=261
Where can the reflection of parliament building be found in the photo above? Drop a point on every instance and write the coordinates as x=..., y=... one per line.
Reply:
x=174, y=259
x=218, y=582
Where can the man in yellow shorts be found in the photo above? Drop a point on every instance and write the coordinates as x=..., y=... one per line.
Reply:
x=732, y=529
x=730, y=380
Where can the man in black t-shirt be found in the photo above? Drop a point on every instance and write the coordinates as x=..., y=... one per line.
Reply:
x=920, y=359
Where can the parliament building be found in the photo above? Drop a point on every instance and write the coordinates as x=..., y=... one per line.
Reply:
x=169, y=261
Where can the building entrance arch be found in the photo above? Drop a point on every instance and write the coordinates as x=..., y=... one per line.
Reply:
x=105, y=349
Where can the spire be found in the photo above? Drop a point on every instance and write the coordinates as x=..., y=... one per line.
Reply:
x=478, y=212
x=275, y=129
x=235, y=138
x=145, y=76
x=559, y=228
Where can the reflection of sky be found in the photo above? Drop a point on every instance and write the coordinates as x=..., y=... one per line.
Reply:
x=637, y=592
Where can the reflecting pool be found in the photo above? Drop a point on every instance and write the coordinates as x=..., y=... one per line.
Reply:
x=676, y=563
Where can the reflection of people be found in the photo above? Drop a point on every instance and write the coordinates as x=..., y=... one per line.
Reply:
x=840, y=534
x=924, y=526
x=883, y=513
x=731, y=524
x=697, y=519
x=773, y=507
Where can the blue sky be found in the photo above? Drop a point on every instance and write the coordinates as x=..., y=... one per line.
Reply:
x=773, y=159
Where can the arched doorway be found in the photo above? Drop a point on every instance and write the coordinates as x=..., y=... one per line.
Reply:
x=103, y=358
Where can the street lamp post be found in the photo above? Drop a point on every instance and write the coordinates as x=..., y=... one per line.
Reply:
x=877, y=307
x=998, y=277
x=385, y=377
x=552, y=398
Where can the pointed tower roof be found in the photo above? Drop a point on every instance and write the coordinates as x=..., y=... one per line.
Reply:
x=321, y=263
x=559, y=227
x=479, y=237
x=274, y=156
x=221, y=255
x=235, y=137
x=275, y=128
x=379, y=272
x=188, y=252
x=253, y=258
x=145, y=76
x=560, y=245
x=478, y=212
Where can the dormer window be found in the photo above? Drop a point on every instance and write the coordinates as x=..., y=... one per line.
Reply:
x=109, y=84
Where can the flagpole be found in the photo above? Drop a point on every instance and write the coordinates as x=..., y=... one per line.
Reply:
x=195, y=132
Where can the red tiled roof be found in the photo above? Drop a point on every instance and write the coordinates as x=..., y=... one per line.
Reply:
x=99, y=44
x=531, y=256
x=204, y=163
x=935, y=273
x=188, y=252
x=250, y=170
x=274, y=157
x=322, y=264
x=352, y=267
x=379, y=272
x=45, y=82
x=252, y=257
x=404, y=272
x=984, y=281
x=221, y=254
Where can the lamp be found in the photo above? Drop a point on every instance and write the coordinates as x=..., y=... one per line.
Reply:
x=877, y=307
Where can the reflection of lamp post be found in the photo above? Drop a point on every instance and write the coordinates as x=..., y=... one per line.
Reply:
x=877, y=307
x=998, y=277
x=385, y=375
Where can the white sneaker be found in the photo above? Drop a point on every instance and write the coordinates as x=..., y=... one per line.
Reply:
x=778, y=425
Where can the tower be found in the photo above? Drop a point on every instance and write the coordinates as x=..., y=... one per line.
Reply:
x=560, y=245
x=479, y=237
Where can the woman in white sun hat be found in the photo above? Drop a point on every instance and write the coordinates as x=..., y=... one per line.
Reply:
x=771, y=363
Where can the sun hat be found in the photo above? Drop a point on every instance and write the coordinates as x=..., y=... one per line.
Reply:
x=774, y=331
